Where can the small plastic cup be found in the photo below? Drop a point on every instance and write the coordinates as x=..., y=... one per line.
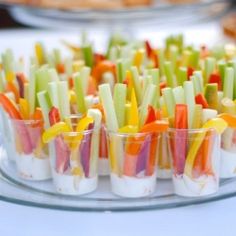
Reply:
x=228, y=153
x=7, y=134
x=32, y=160
x=164, y=165
x=133, y=160
x=196, y=158
x=103, y=162
x=74, y=157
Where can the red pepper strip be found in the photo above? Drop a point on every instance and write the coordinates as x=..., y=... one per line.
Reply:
x=215, y=78
x=54, y=116
x=10, y=107
x=190, y=72
x=151, y=116
x=21, y=80
x=180, y=137
x=201, y=100
x=10, y=87
x=148, y=47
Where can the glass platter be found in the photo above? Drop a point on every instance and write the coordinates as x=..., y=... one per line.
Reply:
x=42, y=194
x=160, y=14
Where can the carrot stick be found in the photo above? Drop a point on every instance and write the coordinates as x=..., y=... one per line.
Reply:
x=10, y=87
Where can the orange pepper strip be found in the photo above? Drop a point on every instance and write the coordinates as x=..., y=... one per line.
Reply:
x=230, y=119
x=10, y=87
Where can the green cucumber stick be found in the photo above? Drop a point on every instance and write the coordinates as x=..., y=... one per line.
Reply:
x=53, y=75
x=161, y=60
x=182, y=75
x=210, y=65
x=221, y=68
x=211, y=95
x=136, y=82
x=155, y=73
x=85, y=73
x=198, y=75
x=45, y=104
x=233, y=65
x=169, y=100
x=53, y=94
x=148, y=99
x=94, y=147
x=1, y=82
x=32, y=89
x=80, y=96
x=179, y=95
x=228, y=87
x=120, y=92
x=88, y=54
x=64, y=102
x=109, y=109
x=189, y=100
x=169, y=73
x=196, y=84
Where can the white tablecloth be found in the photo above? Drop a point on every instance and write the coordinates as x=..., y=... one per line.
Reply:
x=217, y=218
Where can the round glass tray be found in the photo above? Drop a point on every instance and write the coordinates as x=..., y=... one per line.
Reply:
x=160, y=14
x=42, y=194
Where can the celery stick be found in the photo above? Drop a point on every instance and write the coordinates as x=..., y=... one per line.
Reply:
x=179, y=95
x=1, y=82
x=110, y=114
x=233, y=65
x=155, y=73
x=122, y=66
x=182, y=75
x=161, y=60
x=113, y=54
x=88, y=54
x=53, y=94
x=169, y=73
x=208, y=114
x=63, y=94
x=220, y=97
x=108, y=78
x=94, y=148
x=197, y=118
x=68, y=66
x=228, y=106
x=136, y=82
x=210, y=64
x=85, y=73
x=50, y=61
x=145, y=81
x=53, y=74
x=169, y=101
x=198, y=74
x=194, y=58
x=189, y=100
x=222, y=67
x=32, y=89
x=147, y=100
x=42, y=79
x=211, y=95
x=186, y=58
x=79, y=93
x=45, y=104
x=120, y=91
x=228, y=83
x=57, y=56
x=173, y=56
x=8, y=61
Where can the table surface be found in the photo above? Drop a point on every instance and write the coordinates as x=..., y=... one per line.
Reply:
x=216, y=218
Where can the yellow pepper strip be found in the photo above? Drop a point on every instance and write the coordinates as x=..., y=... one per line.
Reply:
x=55, y=130
x=10, y=76
x=216, y=123
x=39, y=53
x=72, y=97
x=230, y=119
x=134, y=116
x=138, y=58
x=84, y=123
x=128, y=129
x=24, y=108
